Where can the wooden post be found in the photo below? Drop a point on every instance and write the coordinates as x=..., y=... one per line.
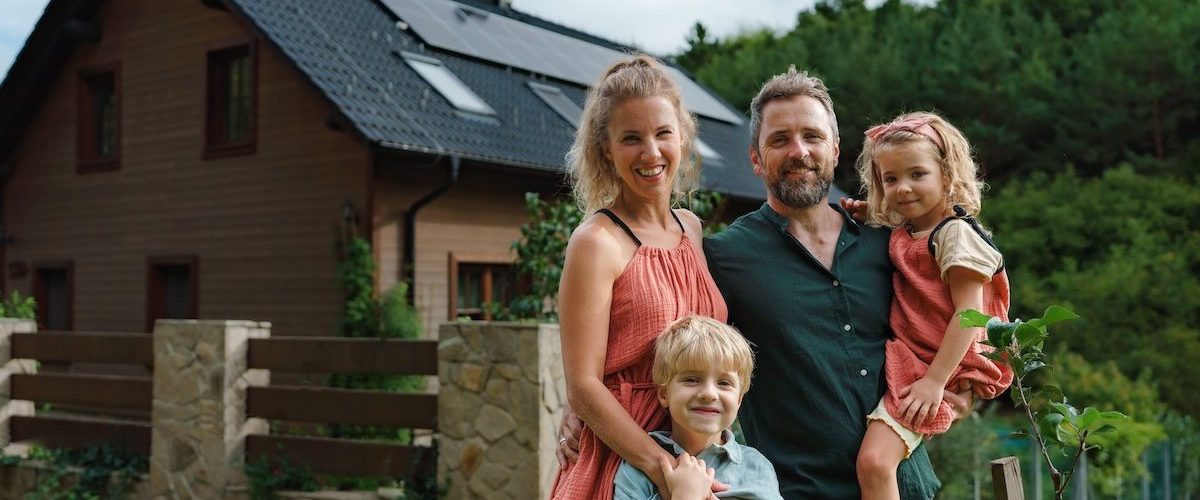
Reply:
x=1006, y=479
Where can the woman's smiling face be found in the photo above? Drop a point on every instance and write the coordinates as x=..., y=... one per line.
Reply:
x=644, y=147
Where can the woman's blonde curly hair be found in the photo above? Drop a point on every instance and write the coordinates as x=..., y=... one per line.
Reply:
x=958, y=169
x=593, y=177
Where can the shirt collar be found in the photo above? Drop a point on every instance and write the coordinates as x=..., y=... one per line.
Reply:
x=731, y=447
x=781, y=222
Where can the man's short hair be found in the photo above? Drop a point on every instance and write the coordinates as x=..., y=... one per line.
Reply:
x=786, y=86
x=700, y=342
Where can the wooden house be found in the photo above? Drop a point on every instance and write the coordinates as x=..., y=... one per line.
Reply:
x=199, y=158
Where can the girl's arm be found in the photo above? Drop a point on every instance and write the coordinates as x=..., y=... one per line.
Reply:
x=594, y=259
x=921, y=399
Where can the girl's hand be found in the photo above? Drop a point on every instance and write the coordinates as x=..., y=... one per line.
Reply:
x=689, y=479
x=919, y=402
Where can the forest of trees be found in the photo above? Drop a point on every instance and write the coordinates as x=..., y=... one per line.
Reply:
x=1084, y=118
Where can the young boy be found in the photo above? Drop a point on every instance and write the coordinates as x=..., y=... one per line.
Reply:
x=702, y=369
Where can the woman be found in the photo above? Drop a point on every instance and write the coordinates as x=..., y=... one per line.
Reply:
x=634, y=266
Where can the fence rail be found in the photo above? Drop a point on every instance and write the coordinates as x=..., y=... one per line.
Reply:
x=62, y=432
x=348, y=355
x=342, y=406
x=107, y=391
x=339, y=456
x=84, y=347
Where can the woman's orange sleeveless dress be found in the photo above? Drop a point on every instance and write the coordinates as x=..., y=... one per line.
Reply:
x=658, y=286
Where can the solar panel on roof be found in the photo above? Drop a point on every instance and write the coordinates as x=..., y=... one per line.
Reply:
x=465, y=30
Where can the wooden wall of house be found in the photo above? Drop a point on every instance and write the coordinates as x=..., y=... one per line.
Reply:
x=477, y=220
x=261, y=225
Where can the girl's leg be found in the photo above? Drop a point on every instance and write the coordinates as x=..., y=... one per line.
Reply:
x=878, y=457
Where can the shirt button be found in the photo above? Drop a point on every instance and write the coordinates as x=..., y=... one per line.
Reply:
x=836, y=283
x=863, y=372
x=846, y=327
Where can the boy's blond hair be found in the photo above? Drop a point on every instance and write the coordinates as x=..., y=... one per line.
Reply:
x=699, y=342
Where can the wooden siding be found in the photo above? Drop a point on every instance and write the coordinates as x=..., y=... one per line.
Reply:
x=479, y=218
x=262, y=225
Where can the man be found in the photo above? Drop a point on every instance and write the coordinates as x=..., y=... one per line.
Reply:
x=811, y=288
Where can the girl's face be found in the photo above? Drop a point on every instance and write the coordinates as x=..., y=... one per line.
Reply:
x=644, y=147
x=913, y=184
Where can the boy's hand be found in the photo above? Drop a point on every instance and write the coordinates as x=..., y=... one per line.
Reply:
x=919, y=402
x=689, y=480
x=856, y=208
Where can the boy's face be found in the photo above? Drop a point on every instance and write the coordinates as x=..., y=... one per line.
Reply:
x=702, y=402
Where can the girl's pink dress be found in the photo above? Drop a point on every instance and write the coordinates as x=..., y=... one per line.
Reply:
x=658, y=286
x=921, y=309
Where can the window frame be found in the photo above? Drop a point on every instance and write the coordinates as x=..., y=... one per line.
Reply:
x=457, y=259
x=39, y=290
x=87, y=159
x=213, y=119
x=192, y=262
x=426, y=67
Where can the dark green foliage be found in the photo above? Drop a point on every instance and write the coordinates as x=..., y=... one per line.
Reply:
x=103, y=472
x=1033, y=84
x=1117, y=464
x=540, y=253
x=961, y=455
x=269, y=474
x=18, y=306
x=1054, y=424
x=1123, y=250
x=365, y=316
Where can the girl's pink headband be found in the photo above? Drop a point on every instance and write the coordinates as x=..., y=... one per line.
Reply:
x=914, y=125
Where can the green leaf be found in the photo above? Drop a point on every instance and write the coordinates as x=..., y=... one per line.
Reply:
x=1048, y=425
x=973, y=319
x=1055, y=314
x=1029, y=335
x=1052, y=393
x=999, y=333
x=1088, y=417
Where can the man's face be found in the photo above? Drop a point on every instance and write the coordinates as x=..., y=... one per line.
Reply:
x=797, y=151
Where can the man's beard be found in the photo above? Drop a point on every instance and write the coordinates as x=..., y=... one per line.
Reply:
x=799, y=193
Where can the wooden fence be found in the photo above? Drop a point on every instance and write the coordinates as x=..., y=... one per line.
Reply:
x=324, y=405
x=119, y=395
x=100, y=394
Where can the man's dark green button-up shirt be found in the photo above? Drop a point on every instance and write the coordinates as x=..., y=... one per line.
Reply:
x=819, y=339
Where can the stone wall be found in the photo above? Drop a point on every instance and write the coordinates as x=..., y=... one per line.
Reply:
x=199, y=423
x=499, y=404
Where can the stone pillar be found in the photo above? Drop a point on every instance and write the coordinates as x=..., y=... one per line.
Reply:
x=499, y=402
x=9, y=366
x=199, y=414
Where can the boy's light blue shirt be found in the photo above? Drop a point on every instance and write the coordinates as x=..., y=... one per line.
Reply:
x=746, y=471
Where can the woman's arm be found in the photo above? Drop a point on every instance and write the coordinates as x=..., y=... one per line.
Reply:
x=922, y=398
x=594, y=259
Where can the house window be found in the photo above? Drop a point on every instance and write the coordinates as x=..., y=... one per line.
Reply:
x=99, y=120
x=53, y=290
x=231, y=101
x=449, y=86
x=478, y=284
x=171, y=289
x=559, y=102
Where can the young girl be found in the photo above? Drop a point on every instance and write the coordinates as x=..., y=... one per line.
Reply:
x=920, y=179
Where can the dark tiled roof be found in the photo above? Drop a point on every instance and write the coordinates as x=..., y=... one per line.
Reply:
x=351, y=49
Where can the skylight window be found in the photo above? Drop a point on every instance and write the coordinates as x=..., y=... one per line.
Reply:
x=454, y=90
x=706, y=151
x=559, y=102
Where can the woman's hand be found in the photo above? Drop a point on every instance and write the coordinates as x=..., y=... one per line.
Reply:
x=919, y=402
x=569, y=430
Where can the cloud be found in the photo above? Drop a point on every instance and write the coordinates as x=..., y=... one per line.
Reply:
x=17, y=18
